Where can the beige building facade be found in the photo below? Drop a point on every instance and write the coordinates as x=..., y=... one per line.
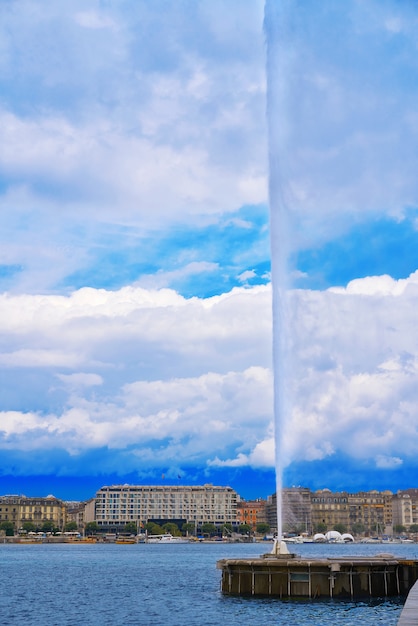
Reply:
x=330, y=509
x=405, y=508
x=81, y=512
x=20, y=509
x=117, y=505
x=366, y=512
x=372, y=511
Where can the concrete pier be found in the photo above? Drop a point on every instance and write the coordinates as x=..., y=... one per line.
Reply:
x=288, y=576
x=409, y=615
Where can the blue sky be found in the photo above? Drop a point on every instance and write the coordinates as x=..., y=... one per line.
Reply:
x=135, y=272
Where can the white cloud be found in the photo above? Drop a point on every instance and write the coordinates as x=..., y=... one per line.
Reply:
x=39, y=358
x=263, y=454
x=104, y=165
x=191, y=415
x=191, y=379
x=80, y=380
x=164, y=279
x=378, y=285
x=135, y=121
x=385, y=462
x=240, y=461
x=354, y=367
x=196, y=384
x=93, y=19
x=138, y=123
x=248, y=274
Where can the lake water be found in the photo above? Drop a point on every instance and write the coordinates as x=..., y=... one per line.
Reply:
x=108, y=584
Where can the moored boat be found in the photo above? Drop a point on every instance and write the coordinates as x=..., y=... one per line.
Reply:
x=166, y=538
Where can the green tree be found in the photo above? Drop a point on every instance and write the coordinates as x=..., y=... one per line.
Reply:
x=188, y=528
x=28, y=527
x=172, y=529
x=413, y=528
x=48, y=527
x=321, y=528
x=91, y=528
x=130, y=528
x=8, y=528
x=70, y=526
x=227, y=529
x=209, y=529
x=154, y=529
x=340, y=528
x=262, y=528
x=244, y=529
x=357, y=528
x=398, y=528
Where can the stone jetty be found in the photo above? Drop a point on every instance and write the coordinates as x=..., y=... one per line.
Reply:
x=288, y=576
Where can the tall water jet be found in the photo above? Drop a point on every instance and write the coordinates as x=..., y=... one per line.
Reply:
x=276, y=19
x=342, y=151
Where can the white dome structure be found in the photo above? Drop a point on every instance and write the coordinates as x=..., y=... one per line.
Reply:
x=319, y=537
x=334, y=536
x=347, y=538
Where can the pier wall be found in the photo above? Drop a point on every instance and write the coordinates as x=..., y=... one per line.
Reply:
x=321, y=578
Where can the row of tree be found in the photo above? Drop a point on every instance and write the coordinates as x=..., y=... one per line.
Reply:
x=151, y=528
x=29, y=527
x=358, y=528
x=188, y=528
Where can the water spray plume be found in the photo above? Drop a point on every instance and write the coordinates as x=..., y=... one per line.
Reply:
x=277, y=18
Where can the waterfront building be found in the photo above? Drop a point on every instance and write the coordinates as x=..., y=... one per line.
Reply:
x=330, y=510
x=296, y=510
x=365, y=512
x=117, y=505
x=251, y=512
x=271, y=512
x=405, y=508
x=370, y=512
x=89, y=511
x=81, y=512
x=20, y=509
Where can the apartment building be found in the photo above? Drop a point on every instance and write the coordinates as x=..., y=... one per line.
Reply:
x=119, y=504
x=368, y=512
x=81, y=512
x=251, y=512
x=20, y=509
x=405, y=508
x=371, y=511
x=330, y=509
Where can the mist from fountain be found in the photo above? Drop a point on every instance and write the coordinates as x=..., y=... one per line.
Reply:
x=276, y=19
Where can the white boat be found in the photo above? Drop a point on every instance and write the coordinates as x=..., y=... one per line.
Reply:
x=298, y=539
x=166, y=538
